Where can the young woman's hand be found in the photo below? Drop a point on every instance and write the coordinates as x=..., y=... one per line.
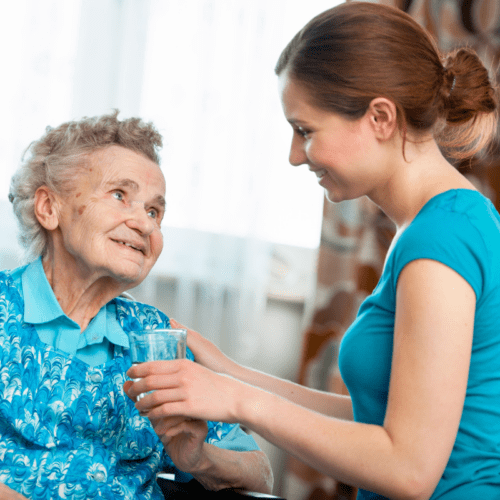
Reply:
x=181, y=387
x=205, y=352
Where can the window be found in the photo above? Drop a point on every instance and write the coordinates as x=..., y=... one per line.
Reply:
x=202, y=71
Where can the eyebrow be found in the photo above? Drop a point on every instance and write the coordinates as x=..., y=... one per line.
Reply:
x=296, y=121
x=129, y=183
x=160, y=200
x=121, y=183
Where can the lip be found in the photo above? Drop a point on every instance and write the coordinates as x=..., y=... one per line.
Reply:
x=133, y=245
x=319, y=172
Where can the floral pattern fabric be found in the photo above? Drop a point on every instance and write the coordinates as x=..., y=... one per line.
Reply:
x=68, y=430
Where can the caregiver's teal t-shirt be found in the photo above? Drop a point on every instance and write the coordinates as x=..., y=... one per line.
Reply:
x=461, y=229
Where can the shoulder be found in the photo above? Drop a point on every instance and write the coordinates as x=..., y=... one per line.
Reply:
x=458, y=229
x=462, y=217
x=11, y=301
x=133, y=315
x=10, y=279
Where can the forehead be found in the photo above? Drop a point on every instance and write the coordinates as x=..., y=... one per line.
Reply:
x=296, y=100
x=118, y=164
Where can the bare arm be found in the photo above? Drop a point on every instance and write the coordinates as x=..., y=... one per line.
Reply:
x=220, y=468
x=7, y=493
x=215, y=468
x=402, y=459
x=207, y=354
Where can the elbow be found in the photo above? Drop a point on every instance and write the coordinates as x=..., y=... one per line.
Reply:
x=416, y=486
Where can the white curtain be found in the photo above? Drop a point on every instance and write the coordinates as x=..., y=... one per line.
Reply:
x=202, y=71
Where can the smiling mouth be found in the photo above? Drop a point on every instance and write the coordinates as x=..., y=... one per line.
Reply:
x=129, y=245
x=319, y=174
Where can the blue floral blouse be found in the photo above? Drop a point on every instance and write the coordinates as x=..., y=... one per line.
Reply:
x=68, y=430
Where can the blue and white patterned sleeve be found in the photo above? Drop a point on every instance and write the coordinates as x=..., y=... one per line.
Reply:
x=238, y=440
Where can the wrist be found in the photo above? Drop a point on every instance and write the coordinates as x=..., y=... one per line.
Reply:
x=211, y=471
x=203, y=464
x=251, y=405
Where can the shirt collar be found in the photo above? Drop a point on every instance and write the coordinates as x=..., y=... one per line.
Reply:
x=41, y=306
x=40, y=303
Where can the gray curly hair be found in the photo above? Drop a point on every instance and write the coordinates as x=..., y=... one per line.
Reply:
x=56, y=159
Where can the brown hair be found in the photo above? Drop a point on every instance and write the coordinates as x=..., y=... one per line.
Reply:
x=355, y=52
x=60, y=155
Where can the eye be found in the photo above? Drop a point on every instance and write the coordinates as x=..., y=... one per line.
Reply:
x=118, y=195
x=153, y=213
x=302, y=132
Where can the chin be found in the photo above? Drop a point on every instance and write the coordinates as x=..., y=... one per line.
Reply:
x=129, y=276
x=333, y=197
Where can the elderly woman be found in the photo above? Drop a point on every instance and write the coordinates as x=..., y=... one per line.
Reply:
x=90, y=200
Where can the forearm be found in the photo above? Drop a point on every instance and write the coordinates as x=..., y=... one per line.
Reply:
x=362, y=455
x=221, y=468
x=210, y=356
x=334, y=405
x=7, y=493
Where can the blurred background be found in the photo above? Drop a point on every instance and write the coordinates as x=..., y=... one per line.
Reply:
x=254, y=259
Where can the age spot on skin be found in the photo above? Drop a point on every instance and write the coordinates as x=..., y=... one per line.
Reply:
x=77, y=195
x=82, y=209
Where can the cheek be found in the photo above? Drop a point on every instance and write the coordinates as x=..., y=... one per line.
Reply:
x=157, y=242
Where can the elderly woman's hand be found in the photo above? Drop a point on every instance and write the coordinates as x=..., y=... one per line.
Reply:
x=183, y=439
x=7, y=493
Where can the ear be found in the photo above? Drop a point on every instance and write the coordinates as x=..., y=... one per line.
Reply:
x=383, y=114
x=46, y=208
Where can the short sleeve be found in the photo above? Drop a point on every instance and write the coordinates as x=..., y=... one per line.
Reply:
x=447, y=237
x=237, y=440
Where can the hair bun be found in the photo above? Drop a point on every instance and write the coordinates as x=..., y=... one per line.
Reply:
x=467, y=89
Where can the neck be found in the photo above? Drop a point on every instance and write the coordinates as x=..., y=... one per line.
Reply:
x=80, y=298
x=415, y=180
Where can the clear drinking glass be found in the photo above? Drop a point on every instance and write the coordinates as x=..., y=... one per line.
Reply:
x=156, y=345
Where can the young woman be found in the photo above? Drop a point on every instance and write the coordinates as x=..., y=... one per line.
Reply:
x=373, y=105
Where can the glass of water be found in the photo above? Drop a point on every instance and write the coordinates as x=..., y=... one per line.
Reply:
x=157, y=345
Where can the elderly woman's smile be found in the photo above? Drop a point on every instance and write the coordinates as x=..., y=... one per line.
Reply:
x=108, y=225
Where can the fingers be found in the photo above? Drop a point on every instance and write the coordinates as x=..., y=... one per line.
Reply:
x=155, y=375
x=167, y=410
x=176, y=324
x=191, y=333
x=173, y=426
x=160, y=397
x=156, y=367
x=161, y=382
x=126, y=385
x=164, y=425
x=160, y=385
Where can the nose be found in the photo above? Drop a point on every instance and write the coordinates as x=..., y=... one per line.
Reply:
x=297, y=154
x=140, y=220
